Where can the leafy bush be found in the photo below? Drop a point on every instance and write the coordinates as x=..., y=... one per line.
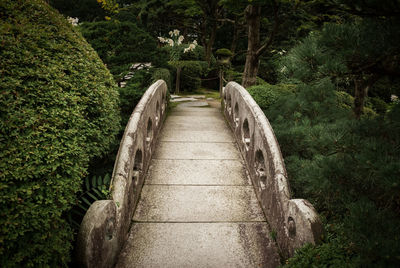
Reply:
x=130, y=95
x=378, y=105
x=191, y=73
x=162, y=73
x=265, y=95
x=232, y=75
x=224, y=52
x=58, y=110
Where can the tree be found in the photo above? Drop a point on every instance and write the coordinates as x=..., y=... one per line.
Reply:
x=358, y=53
x=255, y=48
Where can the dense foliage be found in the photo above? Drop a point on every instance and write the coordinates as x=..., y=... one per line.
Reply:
x=121, y=44
x=58, y=110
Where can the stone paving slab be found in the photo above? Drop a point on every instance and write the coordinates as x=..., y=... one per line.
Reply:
x=198, y=204
x=219, y=245
x=182, y=99
x=196, y=114
x=182, y=126
x=199, y=119
x=197, y=172
x=223, y=135
x=198, y=150
x=195, y=104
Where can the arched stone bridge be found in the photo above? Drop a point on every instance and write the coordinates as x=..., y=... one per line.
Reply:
x=200, y=191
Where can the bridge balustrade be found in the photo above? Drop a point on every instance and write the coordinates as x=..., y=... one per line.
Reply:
x=106, y=224
x=294, y=221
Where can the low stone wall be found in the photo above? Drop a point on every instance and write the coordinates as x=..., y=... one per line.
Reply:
x=294, y=221
x=105, y=227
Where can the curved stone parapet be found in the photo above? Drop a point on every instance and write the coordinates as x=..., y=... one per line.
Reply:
x=294, y=221
x=106, y=224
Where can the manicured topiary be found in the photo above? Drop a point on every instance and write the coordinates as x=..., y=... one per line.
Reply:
x=58, y=109
x=224, y=52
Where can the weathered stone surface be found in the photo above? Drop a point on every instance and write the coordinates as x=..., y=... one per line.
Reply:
x=198, y=203
x=196, y=150
x=97, y=244
x=195, y=104
x=182, y=99
x=197, y=135
x=266, y=168
x=197, y=172
x=199, y=245
x=134, y=155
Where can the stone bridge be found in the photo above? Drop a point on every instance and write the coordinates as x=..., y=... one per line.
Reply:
x=207, y=189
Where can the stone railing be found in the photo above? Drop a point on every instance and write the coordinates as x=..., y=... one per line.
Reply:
x=105, y=227
x=294, y=221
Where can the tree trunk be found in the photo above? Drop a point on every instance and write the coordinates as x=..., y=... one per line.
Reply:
x=210, y=43
x=361, y=87
x=236, y=32
x=253, y=15
x=178, y=80
x=360, y=92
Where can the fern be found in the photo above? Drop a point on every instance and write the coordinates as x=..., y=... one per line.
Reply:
x=95, y=188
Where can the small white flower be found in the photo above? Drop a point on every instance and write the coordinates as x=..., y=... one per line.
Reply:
x=195, y=42
x=171, y=33
x=394, y=98
x=171, y=42
x=73, y=21
x=284, y=68
x=186, y=50
x=180, y=39
x=192, y=46
x=176, y=32
x=162, y=39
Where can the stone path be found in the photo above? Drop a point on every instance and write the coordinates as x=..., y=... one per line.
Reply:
x=197, y=207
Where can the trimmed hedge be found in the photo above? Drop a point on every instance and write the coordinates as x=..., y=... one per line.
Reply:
x=266, y=95
x=58, y=109
x=164, y=74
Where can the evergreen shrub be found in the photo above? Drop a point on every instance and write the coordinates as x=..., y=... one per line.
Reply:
x=58, y=109
x=191, y=74
x=162, y=73
x=349, y=169
x=224, y=52
x=265, y=94
x=232, y=75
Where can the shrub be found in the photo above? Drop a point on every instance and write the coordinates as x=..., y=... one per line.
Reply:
x=162, y=73
x=224, y=52
x=378, y=105
x=58, y=109
x=191, y=73
x=232, y=75
x=349, y=169
x=265, y=95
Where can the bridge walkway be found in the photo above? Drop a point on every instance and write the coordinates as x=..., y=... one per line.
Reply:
x=197, y=206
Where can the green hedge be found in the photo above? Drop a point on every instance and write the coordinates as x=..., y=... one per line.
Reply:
x=162, y=73
x=191, y=74
x=58, y=109
x=265, y=95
